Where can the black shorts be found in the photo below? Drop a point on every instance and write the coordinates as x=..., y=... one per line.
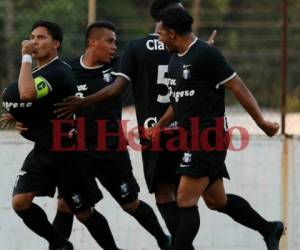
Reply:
x=160, y=167
x=208, y=160
x=43, y=170
x=115, y=174
x=199, y=164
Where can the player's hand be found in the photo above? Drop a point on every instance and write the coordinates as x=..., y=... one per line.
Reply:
x=68, y=107
x=7, y=121
x=27, y=47
x=211, y=39
x=21, y=127
x=153, y=133
x=270, y=128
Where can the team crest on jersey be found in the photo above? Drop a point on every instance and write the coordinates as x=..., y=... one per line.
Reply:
x=186, y=73
x=124, y=188
x=77, y=199
x=107, y=77
x=186, y=160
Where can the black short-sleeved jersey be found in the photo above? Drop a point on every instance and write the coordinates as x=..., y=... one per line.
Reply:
x=53, y=82
x=145, y=64
x=89, y=80
x=196, y=83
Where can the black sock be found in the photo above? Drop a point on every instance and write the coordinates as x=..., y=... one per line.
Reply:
x=187, y=228
x=99, y=229
x=241, y=211
x=63, y=223
x=169, y=212
x=145, y=215
x=36, y=219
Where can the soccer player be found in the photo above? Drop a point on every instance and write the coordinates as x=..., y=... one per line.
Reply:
x=145, y=64
x=94, y=70
x=198, y=77
x=31, y=100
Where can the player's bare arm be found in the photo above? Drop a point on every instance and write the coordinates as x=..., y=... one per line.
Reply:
x=26, y=82
x=247, y=100
x=72, y=104
x=211, y=39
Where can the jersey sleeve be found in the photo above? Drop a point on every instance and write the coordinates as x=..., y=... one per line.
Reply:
x=127, y=63
x=60, y=81
x=219, y=71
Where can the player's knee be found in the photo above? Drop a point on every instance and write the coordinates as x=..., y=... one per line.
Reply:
x=164, y=193
x=185, y=199
x=21, y=202
x=62, y=206
x=131, y=207
x=84, y=215
x=215, y=204
x=164, y=198
x=212, y=205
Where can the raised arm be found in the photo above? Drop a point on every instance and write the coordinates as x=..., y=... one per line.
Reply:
x=247, y=100
x=26, y=82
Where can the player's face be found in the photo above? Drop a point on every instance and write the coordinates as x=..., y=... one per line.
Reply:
x=105, y=46
x=166, y=36
x=43, y=44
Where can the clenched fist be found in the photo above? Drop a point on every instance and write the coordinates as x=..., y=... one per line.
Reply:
x=27, y=47
x=270, y=128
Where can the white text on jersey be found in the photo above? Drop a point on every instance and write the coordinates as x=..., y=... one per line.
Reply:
x=155, y=45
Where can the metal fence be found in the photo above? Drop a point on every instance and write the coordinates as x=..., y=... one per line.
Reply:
x=250, y=36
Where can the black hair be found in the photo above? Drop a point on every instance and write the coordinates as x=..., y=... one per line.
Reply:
x=54, y=29
x=97, y=25
x=177, y=19
x=159, y=5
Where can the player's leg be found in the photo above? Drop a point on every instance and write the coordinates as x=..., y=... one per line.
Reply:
x=189, y=191
x=35, y=218
x=81, y=200
x=34, y=178
x=98, y=228
x=165, y=182
x=79, y=189
x=63, y=220
x=241, y=211
x=121, y=184
x=165, y=198
x=146, y=217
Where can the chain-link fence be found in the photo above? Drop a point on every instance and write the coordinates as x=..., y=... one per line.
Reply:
x=249, y=37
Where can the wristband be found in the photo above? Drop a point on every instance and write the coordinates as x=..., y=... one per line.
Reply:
x=26, y=58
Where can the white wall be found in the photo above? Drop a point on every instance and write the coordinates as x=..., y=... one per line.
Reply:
x=255, y=174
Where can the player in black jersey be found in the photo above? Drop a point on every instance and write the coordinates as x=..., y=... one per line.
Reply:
x=198, y=77
x=144, y=64
x=111, y=165
x=31, y=101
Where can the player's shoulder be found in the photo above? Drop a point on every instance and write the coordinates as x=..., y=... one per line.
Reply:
x=59, y=65
x=203, y=46
x=73, y=62
x=205, y=51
